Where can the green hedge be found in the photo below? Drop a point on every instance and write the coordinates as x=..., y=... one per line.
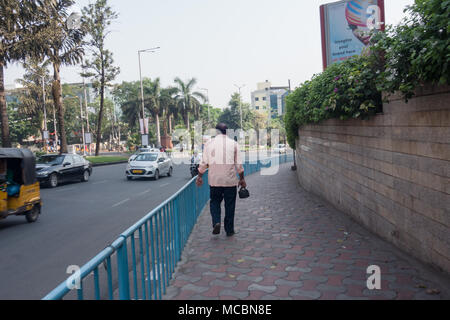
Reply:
x=405, y=56
x=418, y=50
x=346, y=90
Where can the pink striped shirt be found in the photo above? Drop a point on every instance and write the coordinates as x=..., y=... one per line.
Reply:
x=222, y=156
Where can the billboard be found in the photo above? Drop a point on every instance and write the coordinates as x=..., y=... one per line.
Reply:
x=346, y=26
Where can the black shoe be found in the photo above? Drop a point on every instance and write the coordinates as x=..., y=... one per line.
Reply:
x=216, y=230
x=230, y=234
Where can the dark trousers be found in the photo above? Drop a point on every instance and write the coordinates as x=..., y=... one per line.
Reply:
x=228, y=194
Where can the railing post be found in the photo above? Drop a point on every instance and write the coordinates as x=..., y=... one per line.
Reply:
x=122, y=270
x=177, y=229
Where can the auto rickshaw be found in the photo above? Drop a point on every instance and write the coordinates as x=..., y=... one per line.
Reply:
x=19, y=189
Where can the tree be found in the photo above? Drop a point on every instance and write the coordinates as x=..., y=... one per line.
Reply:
x=152, y=98
x=127, y=95
x=62, y=44
x=19, y=23
x=108, y=114
x=160, y=102
x=168, y=106
x=188, y=100
x=72, y=113
x=277, y=123
x=96, y=20
x=214, y=114
x=232, y=115
x=22, y=127
x=35, y=82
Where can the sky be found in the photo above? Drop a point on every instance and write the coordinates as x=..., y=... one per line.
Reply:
x=223, y=44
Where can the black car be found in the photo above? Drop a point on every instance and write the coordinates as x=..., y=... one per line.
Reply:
x=53, y=169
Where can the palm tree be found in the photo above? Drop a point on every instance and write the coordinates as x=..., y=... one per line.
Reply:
x=189, y=100
x=19, y=23
x=152, y=98
x=168, y=106
x=125, y=95
x=62, y=46
x=158, y=101
x=130, y=112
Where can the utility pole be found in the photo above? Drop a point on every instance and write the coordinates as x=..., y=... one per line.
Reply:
x=56, y=131
x=142, y=88
x=240, y=102
x=82, y=121
x=294, y=167
x=87, y=113
x=45, y=115
x=82, y=126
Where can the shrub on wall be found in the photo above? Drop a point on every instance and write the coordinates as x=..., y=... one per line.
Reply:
x=413, y=53
x=346, y=90
x=418, y=50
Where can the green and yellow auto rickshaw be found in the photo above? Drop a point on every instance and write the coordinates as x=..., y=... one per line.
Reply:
x=19, y=189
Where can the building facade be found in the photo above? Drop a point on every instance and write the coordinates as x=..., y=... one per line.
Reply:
x=269, y=100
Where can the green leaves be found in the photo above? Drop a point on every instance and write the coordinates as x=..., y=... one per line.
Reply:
x=346, y=90
x=418, y=50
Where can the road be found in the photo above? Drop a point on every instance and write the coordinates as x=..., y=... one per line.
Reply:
x=78, y=220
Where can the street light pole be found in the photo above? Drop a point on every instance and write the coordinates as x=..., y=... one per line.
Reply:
x=142, y=87
x=45, y=114
x=87, y=113
x=240, y=102
x=82, y=121
x=54, y=125
x=42, y=76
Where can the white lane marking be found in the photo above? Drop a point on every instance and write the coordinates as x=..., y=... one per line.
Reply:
x=101, y=182
x=145, y=192
x=62, y=190
x=164, y=185
x=121, y=202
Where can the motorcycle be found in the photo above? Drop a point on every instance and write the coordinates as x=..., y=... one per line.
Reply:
x=194, y=167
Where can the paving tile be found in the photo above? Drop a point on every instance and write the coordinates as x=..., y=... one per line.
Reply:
x=292, y=245
x=234, y=294
x=225, y=284
x=249, y=278
x=194, y=288
x=294, y=284
x=257, y=287
x=299, y=293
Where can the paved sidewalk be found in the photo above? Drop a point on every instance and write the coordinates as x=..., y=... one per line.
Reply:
x=291, y=245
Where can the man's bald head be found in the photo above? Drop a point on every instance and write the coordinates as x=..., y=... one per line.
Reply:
x=222, y=127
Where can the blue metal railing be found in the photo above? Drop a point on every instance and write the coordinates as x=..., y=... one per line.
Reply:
x=145, y=255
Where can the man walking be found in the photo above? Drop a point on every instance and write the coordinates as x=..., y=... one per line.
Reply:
x=221, y=155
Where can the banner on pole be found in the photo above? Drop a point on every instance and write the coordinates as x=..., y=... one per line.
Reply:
x=88, y=138
x=143, y=124
x=145, y=140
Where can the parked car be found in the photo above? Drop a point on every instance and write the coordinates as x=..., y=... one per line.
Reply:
x=54, y=169
x=149, y=165
x=281, y=148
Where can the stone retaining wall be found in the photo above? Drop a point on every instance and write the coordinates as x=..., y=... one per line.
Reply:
x=391, y=173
